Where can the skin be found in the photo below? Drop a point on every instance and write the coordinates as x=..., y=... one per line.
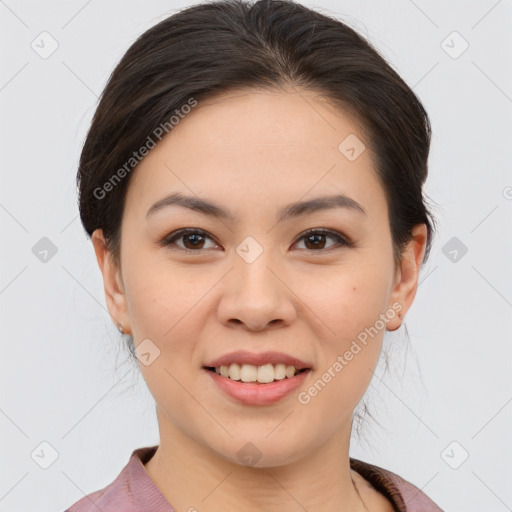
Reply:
x=243, y=151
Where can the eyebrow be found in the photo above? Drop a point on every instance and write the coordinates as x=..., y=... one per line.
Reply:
x=289, y=211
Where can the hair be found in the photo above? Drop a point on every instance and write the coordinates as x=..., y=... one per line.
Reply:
x=215, y=48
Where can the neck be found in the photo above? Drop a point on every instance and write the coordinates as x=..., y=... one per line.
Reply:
x=192, y=476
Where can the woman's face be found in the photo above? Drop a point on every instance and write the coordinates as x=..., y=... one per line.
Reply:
x=249, y=277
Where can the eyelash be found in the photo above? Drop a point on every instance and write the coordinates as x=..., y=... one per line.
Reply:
x=341, y=240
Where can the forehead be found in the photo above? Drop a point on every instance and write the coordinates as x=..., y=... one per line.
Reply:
x=257, y=146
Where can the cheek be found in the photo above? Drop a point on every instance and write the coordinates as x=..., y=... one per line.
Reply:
x=162, y=300
x=350, y=306
x=164, y=307
x=349, y=301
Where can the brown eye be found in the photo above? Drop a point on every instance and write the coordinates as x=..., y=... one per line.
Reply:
x=195, y=240
x=191, y=240
x=316, y=240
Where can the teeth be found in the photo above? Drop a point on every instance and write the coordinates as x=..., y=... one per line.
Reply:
x=280, y=371
x=290, y=371
x=233, y=371
x=266, y=373
x=262, y=374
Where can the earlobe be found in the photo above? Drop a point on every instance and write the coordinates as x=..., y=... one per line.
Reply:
x=408, y=273
x=112, y=282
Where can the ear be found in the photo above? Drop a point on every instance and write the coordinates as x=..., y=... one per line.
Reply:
x=112, y=282
x=406, y=282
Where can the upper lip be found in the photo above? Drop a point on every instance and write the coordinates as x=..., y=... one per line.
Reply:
x=245, y=357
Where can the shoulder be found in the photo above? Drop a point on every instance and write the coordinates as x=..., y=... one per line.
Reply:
x=131, y=491
x=404, y=495
x=114, y=496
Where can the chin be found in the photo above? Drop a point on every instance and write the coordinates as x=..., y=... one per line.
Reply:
x=260, y=452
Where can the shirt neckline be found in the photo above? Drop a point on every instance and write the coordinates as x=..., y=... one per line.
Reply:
x=144, y=490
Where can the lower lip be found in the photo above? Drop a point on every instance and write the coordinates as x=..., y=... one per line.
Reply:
x=258, y=394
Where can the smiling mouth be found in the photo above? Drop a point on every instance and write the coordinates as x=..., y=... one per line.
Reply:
x=251, y=374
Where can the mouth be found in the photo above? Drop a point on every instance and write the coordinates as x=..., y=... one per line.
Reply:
x=253, y=385
x=257, y=379
x=252, y=374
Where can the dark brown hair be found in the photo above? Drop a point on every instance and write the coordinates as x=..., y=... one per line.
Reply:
x=219, y=46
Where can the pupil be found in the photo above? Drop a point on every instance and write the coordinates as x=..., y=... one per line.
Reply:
x=196, y=237
x=316, y=237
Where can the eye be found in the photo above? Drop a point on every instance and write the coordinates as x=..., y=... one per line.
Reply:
x=193, y=240
x=315, y=239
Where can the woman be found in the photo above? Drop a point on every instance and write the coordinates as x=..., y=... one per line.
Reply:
x=252, y=184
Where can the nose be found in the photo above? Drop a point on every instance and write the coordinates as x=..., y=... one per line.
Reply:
x=256, y=295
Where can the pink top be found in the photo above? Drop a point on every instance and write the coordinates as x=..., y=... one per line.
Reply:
x=134, y=491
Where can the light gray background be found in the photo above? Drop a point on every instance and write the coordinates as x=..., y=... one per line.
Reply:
x=65, y=379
